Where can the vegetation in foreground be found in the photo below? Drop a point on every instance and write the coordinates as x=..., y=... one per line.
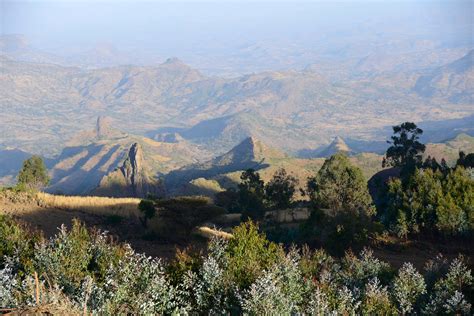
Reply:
x=246, y=273
x=81, y=271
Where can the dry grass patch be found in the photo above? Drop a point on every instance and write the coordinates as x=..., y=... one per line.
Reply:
x=125, y=207
x=209, y=233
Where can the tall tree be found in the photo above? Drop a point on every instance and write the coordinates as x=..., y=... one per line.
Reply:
x=281, y=188
x=251, y=194
x=340, y=186
x=33, y=174
x=406, y=150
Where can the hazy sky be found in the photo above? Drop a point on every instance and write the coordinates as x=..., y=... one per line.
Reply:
x=52, y=23
x=202, y=33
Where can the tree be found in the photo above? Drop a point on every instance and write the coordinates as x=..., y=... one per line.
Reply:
x=251, y=194
x=466, y=161
x=406, y=150
x=340, y=186
x=147, y=207
x=430, y=201
x=432, y=163
x=228, y=199
x=281, y=188
x=33, y=174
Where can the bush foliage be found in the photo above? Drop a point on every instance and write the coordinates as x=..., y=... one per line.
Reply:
x=81, y=271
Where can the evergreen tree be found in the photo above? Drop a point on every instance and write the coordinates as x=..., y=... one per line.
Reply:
x=406, y=150
x=430, y=201
x=466, y=161
x=251, y=195
x=340, y=186
x=281, y=188
x=33, y=174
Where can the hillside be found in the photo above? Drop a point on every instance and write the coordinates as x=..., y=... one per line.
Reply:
x=120, y=164
x=451, y=148
x=224, y=171
x=452, y=82
x=292, y=109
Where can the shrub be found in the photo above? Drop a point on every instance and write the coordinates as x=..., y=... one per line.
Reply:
x=448, y=292
x=147, y=208
x=81, y=272
x=408, y=287
x=17, y=241
x=248, y=254
x=228, y=199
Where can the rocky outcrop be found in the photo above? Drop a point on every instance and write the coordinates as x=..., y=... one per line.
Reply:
x=102, y=127
x=337, y=145
x=131, y=179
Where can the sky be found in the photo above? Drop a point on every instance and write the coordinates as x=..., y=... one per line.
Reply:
x=219, y=28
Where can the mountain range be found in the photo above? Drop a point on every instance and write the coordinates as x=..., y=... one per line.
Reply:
x=108, y=162
x=294, y=110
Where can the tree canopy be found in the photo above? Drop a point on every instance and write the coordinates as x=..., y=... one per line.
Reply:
x=340, y=186
x=280, y=189
x=406, y=150
x=251, y=194
x=33, y=174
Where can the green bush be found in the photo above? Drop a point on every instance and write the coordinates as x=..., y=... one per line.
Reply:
x=18, y=241
x=82, y=270
x=430, y=201
x=249, y=253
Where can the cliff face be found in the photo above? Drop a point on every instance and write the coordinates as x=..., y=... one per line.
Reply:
x=132, y=170
x=131, y=179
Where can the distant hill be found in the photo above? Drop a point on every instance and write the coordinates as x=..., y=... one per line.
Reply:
x=292, y=109
x=250, y=153
x=454, y=81
x=131, y=179
x=11, y=161
x=337, y=145
x=96, y=158
x=450, y=149
x=224, y=171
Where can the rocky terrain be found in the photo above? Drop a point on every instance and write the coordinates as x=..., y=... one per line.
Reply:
x=292, y=110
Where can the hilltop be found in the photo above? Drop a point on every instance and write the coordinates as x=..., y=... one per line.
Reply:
x=224, y=171
x=106, y=161
x=292, y=109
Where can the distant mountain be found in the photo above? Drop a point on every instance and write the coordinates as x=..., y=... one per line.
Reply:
x=96, y=158
x=454, y=81
x=131, y=179
x=224, y=171
x=17, y=47
x=337, y=145
x=450, y=149
x=11, y=161
x=291, y=110
x=250, y=153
